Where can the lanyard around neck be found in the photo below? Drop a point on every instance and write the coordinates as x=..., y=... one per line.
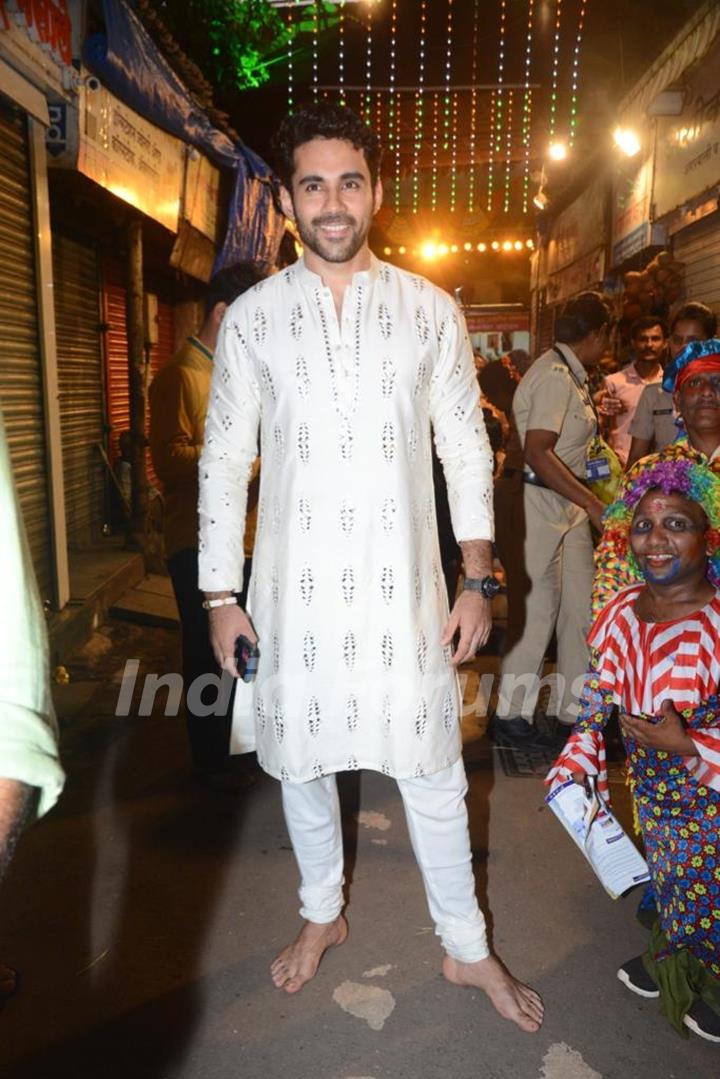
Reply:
x=582, y=388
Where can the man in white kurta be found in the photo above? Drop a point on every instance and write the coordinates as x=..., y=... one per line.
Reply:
x=344, y=367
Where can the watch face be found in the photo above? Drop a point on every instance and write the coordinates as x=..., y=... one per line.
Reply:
x=491, y=587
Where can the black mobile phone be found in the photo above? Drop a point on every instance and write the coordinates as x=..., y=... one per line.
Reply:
x=246, y=658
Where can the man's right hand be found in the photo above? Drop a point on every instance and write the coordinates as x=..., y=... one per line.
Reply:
x=226, y=624
x=595, y=510
x=609, y=405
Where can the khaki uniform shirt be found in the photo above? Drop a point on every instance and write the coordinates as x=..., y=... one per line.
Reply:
x=550, y=399
x=654, y=419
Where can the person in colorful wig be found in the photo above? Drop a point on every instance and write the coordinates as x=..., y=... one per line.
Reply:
x=655, y=656
x=693, y=378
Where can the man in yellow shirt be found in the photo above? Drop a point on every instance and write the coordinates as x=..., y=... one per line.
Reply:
x=178, y=402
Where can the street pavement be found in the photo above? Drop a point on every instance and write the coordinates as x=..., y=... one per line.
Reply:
x=145, y=911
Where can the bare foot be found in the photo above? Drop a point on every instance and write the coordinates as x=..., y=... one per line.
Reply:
x=298, y=963
x=510, y=997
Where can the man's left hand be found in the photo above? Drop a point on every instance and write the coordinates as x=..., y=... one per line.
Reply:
x=471, y=615
x=668, y=734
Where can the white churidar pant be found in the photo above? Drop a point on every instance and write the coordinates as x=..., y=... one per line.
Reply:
x=438, y=825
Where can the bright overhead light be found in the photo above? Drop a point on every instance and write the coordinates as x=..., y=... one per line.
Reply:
x=428, y=250
x=626, y=140
x=387, y=250
x=402, y=250
x=519, y=245
x=530, y=244
x=442, y=249
x=541, y=200
x=482, y=247
x=453, y=249
x=495, y=245
x=507, y=245
x=557, y=151
x=467, y=246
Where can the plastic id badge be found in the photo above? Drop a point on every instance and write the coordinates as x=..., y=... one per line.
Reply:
x=597, y=468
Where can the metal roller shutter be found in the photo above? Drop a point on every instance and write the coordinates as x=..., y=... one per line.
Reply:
x=80, y=379
x=116, y=356
x=21, y=394
x=698, y=246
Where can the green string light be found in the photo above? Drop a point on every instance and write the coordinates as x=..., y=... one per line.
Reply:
x=527, y=109
x=555, y=69
x=419, y=109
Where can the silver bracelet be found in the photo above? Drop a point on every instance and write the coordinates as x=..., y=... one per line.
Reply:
x=226, y=601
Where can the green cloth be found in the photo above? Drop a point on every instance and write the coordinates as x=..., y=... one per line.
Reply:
x=681, y=979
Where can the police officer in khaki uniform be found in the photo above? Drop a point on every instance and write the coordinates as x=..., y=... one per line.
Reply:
x=556, y=420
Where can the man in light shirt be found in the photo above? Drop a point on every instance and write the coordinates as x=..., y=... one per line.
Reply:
x=623, y=389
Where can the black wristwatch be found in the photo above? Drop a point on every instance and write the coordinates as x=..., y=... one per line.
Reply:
x=487, y=586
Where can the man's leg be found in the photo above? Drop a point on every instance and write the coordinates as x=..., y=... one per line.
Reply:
x=438, y=824
x=209, y=735
x=522, y=665
x=573, y=624
x=312, y=815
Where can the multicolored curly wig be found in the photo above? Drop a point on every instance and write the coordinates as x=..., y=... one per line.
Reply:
x=672, y=473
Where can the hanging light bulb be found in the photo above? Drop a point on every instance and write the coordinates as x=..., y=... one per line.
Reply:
x=626, y=140
x=557, y=150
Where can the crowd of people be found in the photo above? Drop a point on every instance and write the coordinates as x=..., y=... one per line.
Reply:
x=347, y=378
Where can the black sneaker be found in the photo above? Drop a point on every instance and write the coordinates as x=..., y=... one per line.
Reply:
x=702, y=1020
x=636, y=978
x=517, y=733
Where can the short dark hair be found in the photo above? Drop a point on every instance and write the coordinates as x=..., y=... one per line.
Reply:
x=231, y=282
x=646, y=322
x=586, y=312
x=699, y=312
x=323, y=120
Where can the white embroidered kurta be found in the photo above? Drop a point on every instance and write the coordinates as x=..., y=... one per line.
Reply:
x=347, y=594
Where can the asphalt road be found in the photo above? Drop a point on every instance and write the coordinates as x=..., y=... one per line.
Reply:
x=144, y=912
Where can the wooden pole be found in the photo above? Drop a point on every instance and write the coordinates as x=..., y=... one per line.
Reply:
x=138, y=524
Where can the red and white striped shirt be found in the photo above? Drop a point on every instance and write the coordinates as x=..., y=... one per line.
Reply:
x=645, y=663
x=641, y=664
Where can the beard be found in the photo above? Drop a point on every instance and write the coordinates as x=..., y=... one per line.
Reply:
x=331, y=249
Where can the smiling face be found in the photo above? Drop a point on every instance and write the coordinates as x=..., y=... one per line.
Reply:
x=332, y=201
x=668, y=538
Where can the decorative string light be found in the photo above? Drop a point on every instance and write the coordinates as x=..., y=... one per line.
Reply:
x=366, y=108
x=508, y=151
x=419, y=109
x=555, y=68
x=391, y=101
x=575, y=72
x=315, y=28
x=473, y=110
x=453, y=153
x=397, y=192
x=434, y=153
x=527, y=109
x=447, y=96
x=291, y=49
x=341, y=52
x=491, y=153
x=499, y=104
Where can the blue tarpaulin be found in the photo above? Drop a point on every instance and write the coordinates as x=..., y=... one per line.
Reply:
x=128, y=62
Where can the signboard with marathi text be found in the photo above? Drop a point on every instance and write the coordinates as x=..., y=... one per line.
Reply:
x=201, y=194
x=688, y=146
x=496, y=321
x=129, y=156
x=632, y=195
x=36, y=37
x=579, y=228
